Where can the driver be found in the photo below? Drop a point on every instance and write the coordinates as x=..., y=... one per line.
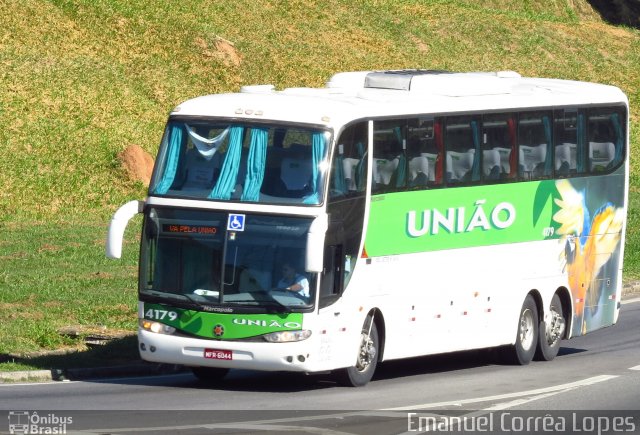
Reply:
x=293, y=282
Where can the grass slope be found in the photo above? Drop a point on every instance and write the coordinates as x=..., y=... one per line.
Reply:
x=83, y=79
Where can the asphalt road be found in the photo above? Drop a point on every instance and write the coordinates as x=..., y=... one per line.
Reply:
x=596, y=376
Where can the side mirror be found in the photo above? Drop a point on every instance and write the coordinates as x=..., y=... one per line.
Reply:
x=315, y=244
x=117, y=226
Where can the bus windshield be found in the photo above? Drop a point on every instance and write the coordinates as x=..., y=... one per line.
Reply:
x=213, y=259
x=219, y=160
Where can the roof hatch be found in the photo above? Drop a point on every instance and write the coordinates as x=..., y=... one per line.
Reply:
x=398, y=80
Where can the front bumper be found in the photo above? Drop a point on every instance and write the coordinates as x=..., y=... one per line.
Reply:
x=169, y=349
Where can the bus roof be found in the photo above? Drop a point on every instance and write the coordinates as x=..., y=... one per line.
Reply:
x=365, y=94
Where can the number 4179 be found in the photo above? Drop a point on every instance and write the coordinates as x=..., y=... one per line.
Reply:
x=160, y=314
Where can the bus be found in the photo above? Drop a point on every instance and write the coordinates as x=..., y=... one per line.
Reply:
x=387, y=215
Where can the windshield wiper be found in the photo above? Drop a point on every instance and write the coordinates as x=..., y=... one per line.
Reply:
x=274, y=302
x=176, y=297
x=269, y=302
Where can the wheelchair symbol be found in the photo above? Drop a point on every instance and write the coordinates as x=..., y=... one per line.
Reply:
x=235, y=222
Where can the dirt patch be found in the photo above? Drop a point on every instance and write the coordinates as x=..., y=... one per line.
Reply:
x=220, y=49
x=422, y=47
x=137, y=163
x=49, y=248
x=228, y=51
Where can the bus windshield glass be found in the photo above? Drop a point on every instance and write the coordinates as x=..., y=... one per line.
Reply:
x=213, y=259
x=225, y=161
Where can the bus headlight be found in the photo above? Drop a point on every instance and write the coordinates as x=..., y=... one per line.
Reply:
x=157, y=327
x=287, y=336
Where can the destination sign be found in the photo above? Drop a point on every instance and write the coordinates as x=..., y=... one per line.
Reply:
x=203, y=230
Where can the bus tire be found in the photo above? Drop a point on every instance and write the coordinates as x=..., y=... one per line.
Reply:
x=522, y=352
x=360, y=374
x=549, y=336
x=209, y=375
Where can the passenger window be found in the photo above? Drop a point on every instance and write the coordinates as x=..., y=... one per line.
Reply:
x=389, y=158
x=569, y=142
x=462, y=143
x=535, y=159
x=605, y=137
x=498, y=147
x=349, y=164
x=422, y=153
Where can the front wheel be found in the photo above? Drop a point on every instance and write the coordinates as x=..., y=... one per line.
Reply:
x=551, y=333
x=524, y=349
x=360, y=374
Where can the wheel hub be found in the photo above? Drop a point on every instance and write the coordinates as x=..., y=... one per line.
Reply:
x=367, y=353
x=555, y=328
x=526, y=329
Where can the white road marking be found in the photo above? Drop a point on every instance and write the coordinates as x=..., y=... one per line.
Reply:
x=634, y=368
x=35, y=384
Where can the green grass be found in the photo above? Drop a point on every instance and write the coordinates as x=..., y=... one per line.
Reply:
x=84, y=79
x=55, y=275
x=116, y=352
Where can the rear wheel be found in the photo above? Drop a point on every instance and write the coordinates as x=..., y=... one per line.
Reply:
x=360, y=374
x=524, y=349
x=550, y=334
x=209, y=374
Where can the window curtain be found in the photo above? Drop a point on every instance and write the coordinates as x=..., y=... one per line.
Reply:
x=361, y=168
x=401, y=171
x=229, y=173
x=255, y=165
x=338, y=184
x=439, y=138
x=317, y=154
x=617, y=127
x=581, y=145
x=171, y=164
x=513, y=140
x=548, y=162
x=207, y=147
x=476, y=146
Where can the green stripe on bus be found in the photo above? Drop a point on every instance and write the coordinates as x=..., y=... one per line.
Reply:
x=431, y=220
x=222, y=326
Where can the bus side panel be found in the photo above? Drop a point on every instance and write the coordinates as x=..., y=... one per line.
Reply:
x=442, y=257
x=456, y=300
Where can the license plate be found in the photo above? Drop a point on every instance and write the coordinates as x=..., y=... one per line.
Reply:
x=218, y=354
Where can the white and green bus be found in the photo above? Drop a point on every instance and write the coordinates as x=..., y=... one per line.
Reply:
x=390, y=214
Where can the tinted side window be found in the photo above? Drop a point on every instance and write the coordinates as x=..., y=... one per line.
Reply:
x=462, y=144
x=498, y=147
x=389, y=158
x=535, y=156
x=423, y=153
x=349, y=164
x=569, y=142
x=605, y=138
